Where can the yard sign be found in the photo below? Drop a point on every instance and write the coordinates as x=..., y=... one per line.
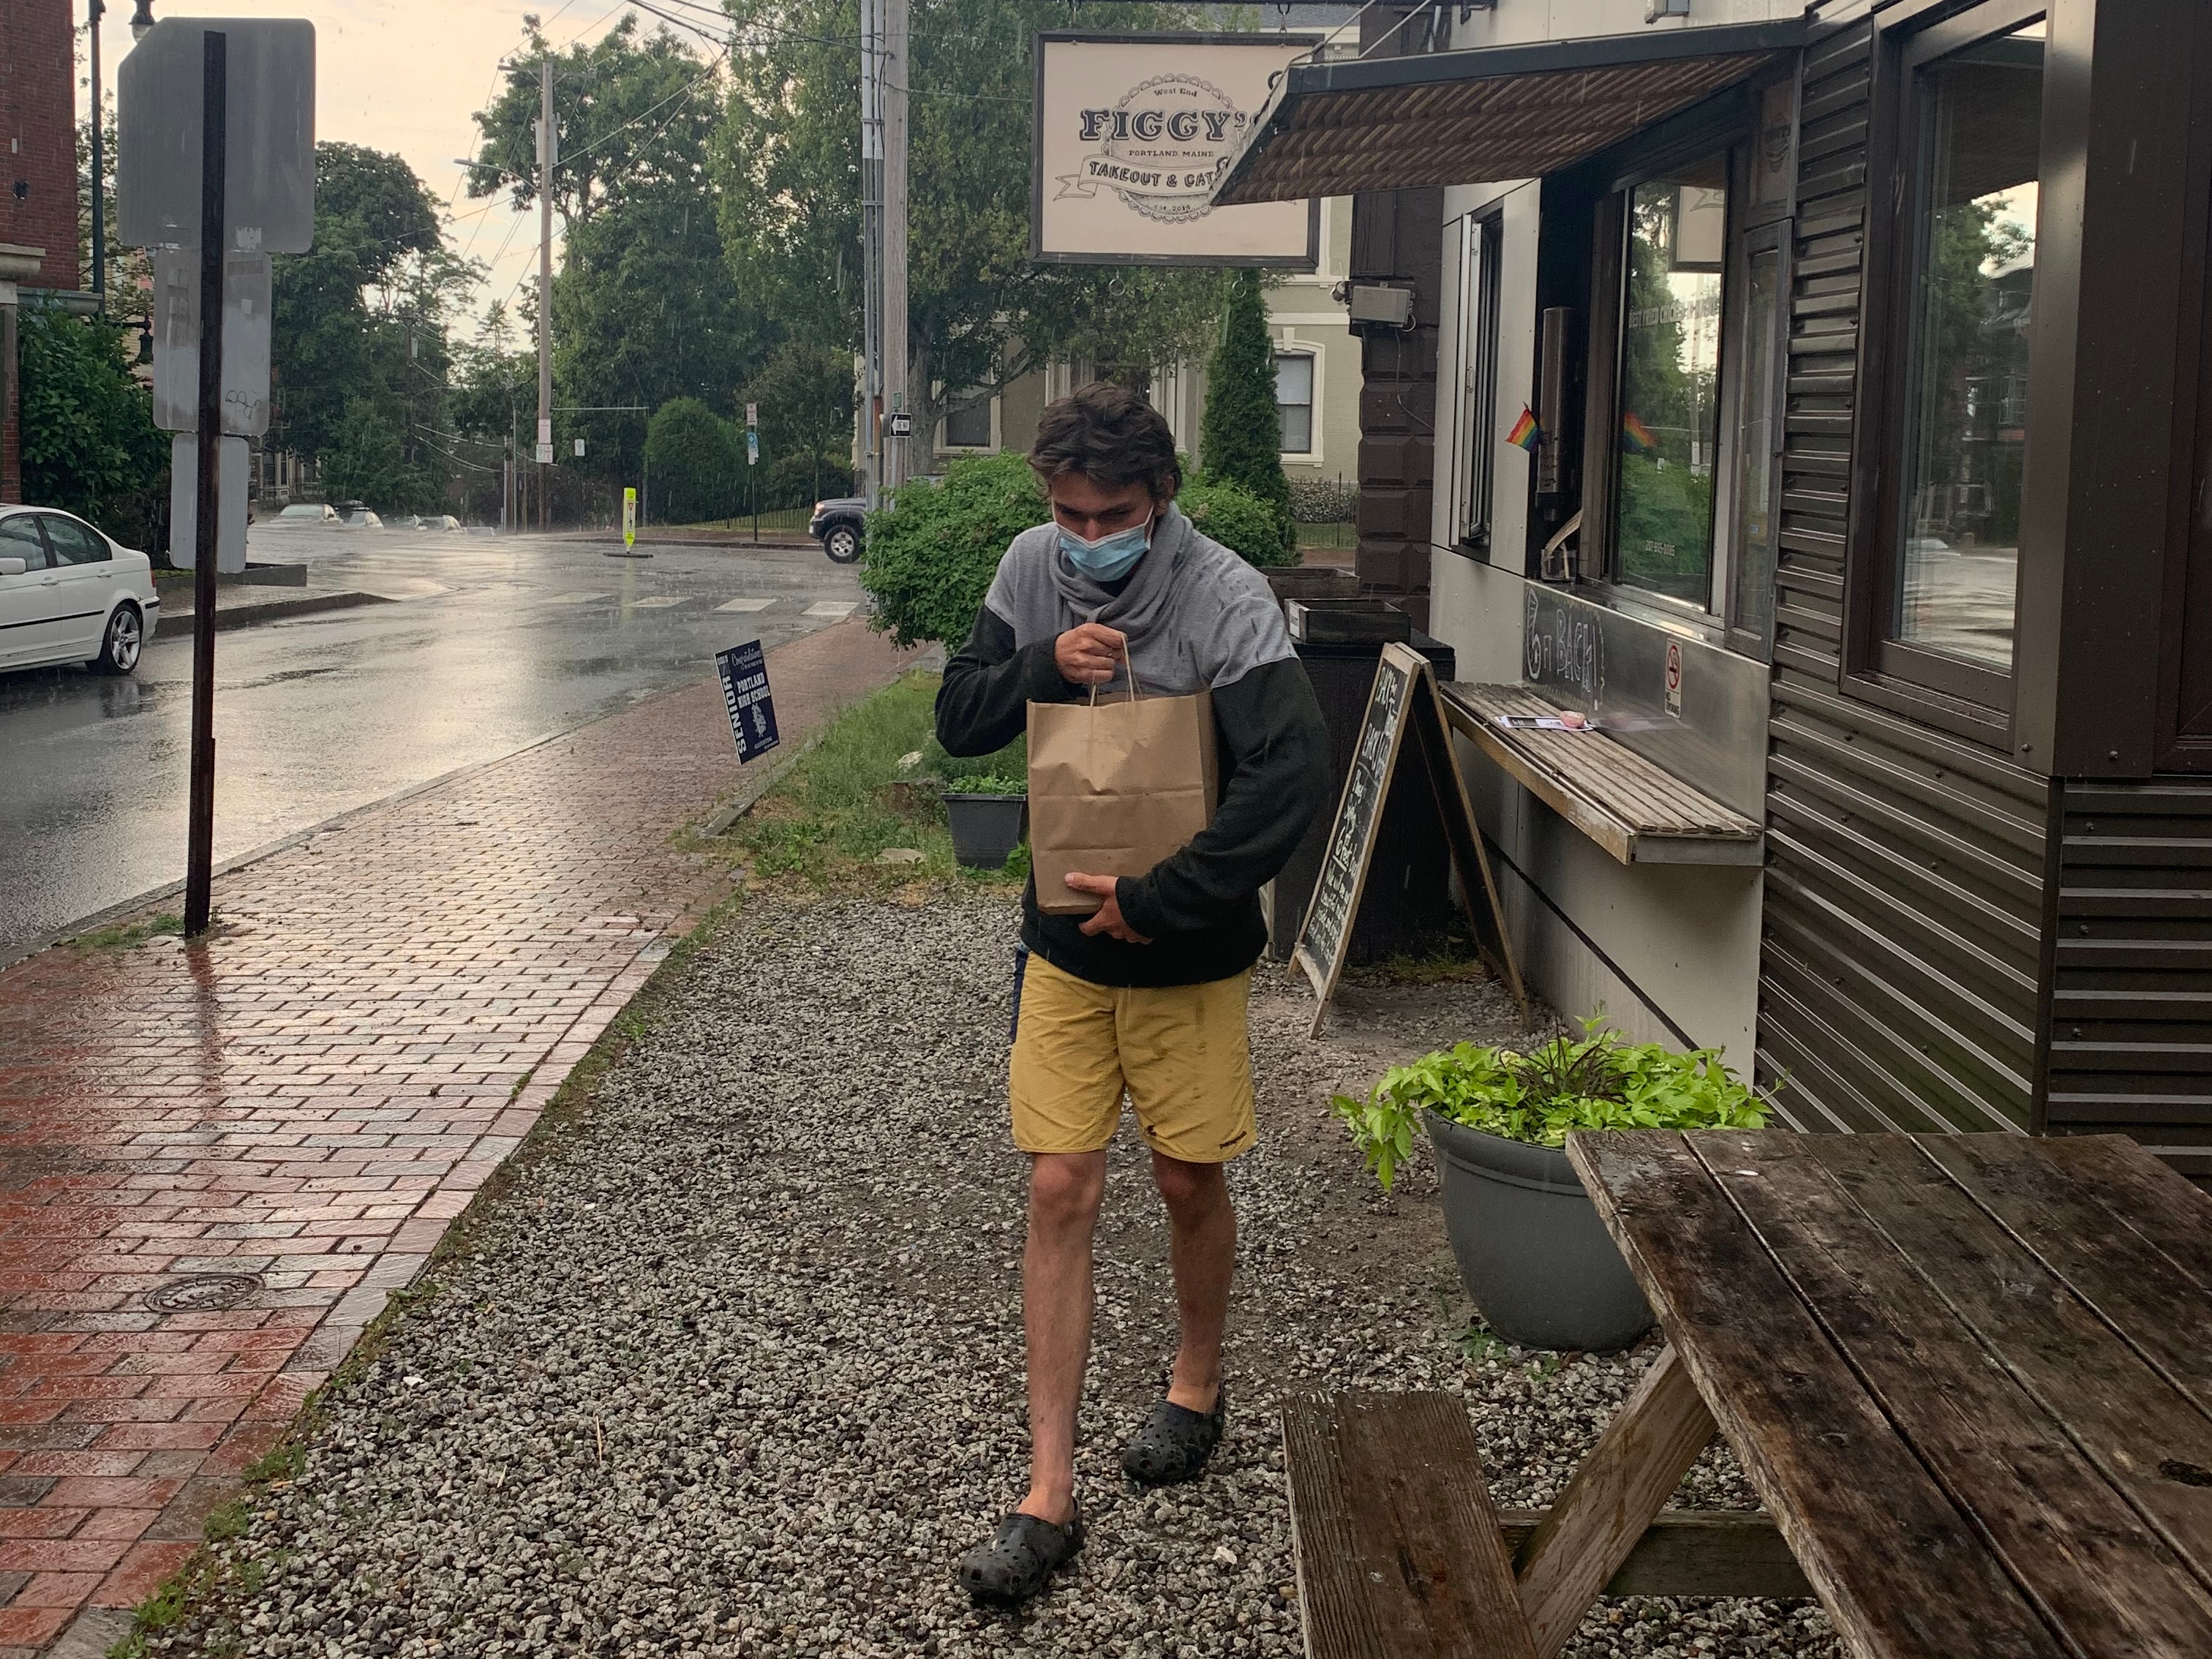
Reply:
x=743, y=669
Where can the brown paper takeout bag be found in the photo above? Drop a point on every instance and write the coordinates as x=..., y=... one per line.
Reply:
x=1115, y=787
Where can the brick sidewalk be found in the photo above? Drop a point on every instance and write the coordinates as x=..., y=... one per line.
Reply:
x=303, y=1103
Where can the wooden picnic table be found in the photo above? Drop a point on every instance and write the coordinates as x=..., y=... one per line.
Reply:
x=1969, y=1375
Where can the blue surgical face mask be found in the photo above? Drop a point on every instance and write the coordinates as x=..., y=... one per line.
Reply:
x=1110, y=557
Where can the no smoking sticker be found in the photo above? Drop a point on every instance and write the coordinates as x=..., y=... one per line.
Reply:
x=1674, y=679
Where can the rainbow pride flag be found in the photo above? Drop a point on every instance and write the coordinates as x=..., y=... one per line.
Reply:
x=1526, y=433
x=1636, y=437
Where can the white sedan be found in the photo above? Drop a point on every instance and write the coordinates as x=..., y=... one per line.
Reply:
x=68, y=593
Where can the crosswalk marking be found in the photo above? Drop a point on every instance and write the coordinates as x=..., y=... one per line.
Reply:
x=660, y=601
x=745, y=607
x=577, y=599
x=832, y=609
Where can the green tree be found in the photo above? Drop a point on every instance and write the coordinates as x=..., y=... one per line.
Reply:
x=981, y=312
x=89, y=445
x=363, y=314
x=1240, y=433
x=368, y=462
x=804, y=395
x=644, y=312
x=695, y=457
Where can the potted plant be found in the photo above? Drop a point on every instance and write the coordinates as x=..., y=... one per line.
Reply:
x=1531, y=1249
x=989, y=816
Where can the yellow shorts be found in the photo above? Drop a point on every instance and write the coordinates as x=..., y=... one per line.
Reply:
x=1182, y=1051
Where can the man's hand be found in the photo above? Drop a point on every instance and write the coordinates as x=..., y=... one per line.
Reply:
x=1109, y=919
x=1087, y=654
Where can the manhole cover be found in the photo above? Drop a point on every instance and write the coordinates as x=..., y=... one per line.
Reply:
x=201, y=1291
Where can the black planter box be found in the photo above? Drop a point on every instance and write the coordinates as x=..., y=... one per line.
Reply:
x=986, y=829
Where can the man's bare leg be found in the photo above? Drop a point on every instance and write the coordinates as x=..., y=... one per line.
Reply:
x=1064, y=1190
x=1203, y=1231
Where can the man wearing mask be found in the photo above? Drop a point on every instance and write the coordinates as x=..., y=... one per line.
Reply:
x=1149, y=993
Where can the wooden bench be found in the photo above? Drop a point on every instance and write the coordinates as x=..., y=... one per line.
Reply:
x=1636, y=811
x=1401, y=1554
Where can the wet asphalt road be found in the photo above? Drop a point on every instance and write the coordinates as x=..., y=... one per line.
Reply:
x=488, y=645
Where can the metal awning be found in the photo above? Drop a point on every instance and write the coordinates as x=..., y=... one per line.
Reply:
x=1488, y=114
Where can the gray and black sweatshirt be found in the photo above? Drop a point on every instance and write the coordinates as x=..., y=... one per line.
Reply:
x=1197, y=617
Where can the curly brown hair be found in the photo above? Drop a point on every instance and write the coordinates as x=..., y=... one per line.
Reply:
x=1110, y=436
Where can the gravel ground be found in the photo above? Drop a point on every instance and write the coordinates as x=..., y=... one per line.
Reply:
x=733, y=1365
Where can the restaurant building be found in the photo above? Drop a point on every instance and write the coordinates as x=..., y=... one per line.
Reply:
x=1813, y=400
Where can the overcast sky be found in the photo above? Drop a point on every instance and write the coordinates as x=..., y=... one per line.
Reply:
x=404, y=76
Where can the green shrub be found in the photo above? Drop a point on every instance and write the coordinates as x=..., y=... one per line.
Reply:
x=697, y=461
x=932, y=552
x=991, y=783
x=1236, y=518
x=90, y=443
x=1538, y=1097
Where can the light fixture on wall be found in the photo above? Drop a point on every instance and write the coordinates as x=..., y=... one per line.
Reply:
x=1659, y=8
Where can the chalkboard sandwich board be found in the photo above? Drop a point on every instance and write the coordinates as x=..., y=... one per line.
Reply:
x=1404, y=708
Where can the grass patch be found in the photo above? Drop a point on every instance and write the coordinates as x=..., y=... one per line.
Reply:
x=125, y=934
x=847, y=801
x=1455, y=960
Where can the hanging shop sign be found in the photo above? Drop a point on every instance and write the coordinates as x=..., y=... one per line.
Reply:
x=1131, y=133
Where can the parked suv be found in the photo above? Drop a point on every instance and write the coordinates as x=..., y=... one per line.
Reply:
x=838, y=524
x=68, y=593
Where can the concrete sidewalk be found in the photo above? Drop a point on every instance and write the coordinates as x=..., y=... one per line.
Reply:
x=216, y=1161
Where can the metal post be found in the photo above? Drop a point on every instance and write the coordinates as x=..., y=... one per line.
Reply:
x=897, y=67
x=546, y=147
x=93, y=8
x=199, y=840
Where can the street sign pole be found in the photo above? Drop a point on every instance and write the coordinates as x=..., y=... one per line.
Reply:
x=215, y=126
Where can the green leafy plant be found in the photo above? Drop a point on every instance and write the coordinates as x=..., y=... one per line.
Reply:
x=1599, y=1082
x=991, y=783
x=932, y=553
x=1237, y=519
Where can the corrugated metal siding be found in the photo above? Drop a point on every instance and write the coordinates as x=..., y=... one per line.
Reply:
x=2132, y=1001
x=1899, y=965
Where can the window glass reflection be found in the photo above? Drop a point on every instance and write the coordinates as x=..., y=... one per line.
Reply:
x=1669, y=390
x=1966, y=433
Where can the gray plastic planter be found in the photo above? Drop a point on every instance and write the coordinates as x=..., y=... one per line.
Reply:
x=986, y=829
x=1531, y=1249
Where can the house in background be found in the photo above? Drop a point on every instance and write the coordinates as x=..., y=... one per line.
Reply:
x=1316, y=378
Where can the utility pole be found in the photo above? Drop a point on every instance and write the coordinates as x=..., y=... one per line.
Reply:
x=546, y=145
x=897, y=67
x=871, y=249
x=215, y=130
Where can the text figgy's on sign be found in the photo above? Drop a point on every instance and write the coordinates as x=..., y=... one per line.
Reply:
x=1134, y=132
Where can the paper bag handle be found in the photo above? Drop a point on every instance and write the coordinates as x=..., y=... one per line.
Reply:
x=1136, y=694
